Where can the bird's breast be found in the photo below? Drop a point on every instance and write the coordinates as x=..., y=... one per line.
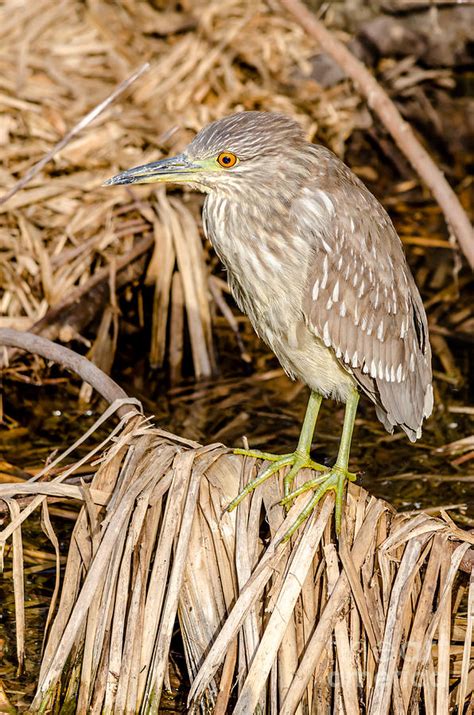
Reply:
x=266, y=278
x=255, y=246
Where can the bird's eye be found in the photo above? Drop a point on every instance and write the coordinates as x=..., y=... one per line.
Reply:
x=227, y=159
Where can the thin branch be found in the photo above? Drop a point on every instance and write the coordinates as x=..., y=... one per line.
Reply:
x=82, y=123
x=400, y=130
x=87, y=371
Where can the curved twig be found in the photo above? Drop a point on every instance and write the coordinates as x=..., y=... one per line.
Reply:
x=87, y=371
x=401, y=131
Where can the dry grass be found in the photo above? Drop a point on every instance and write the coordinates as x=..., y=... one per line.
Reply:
x=65, y=238
x=377, y=622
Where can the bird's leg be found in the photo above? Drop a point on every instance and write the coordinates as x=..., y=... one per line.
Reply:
x=336, y=478
x=303, y=448
x=298, y=459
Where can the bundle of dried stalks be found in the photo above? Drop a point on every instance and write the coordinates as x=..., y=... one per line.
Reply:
x=67, y=244
x=377, y=622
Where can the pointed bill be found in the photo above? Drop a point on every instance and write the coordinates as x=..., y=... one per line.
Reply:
x=177, y=169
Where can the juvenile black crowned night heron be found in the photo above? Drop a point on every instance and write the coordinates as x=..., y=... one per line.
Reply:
x=315, y=262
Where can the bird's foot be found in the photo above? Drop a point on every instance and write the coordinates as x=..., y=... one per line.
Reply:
x=334, y=480
x=297, y=460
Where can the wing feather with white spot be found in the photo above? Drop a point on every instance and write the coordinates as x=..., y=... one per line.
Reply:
x=361, y=299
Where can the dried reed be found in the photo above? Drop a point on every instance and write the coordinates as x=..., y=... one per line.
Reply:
x=377, y=622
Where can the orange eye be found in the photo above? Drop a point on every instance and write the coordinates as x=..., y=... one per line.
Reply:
x=227, y=160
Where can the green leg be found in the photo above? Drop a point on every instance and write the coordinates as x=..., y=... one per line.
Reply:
x=298, y=459
x=337, y=477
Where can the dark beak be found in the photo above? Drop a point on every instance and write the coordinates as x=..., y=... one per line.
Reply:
x=176, y=169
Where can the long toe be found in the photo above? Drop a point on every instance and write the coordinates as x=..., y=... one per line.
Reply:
x=272, y=468
x=300, y=462
x=258, y=454
x=334, y=481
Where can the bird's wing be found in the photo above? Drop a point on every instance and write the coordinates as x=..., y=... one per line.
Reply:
x=362, y=302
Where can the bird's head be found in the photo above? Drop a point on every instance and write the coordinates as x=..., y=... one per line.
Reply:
x=240, y=152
